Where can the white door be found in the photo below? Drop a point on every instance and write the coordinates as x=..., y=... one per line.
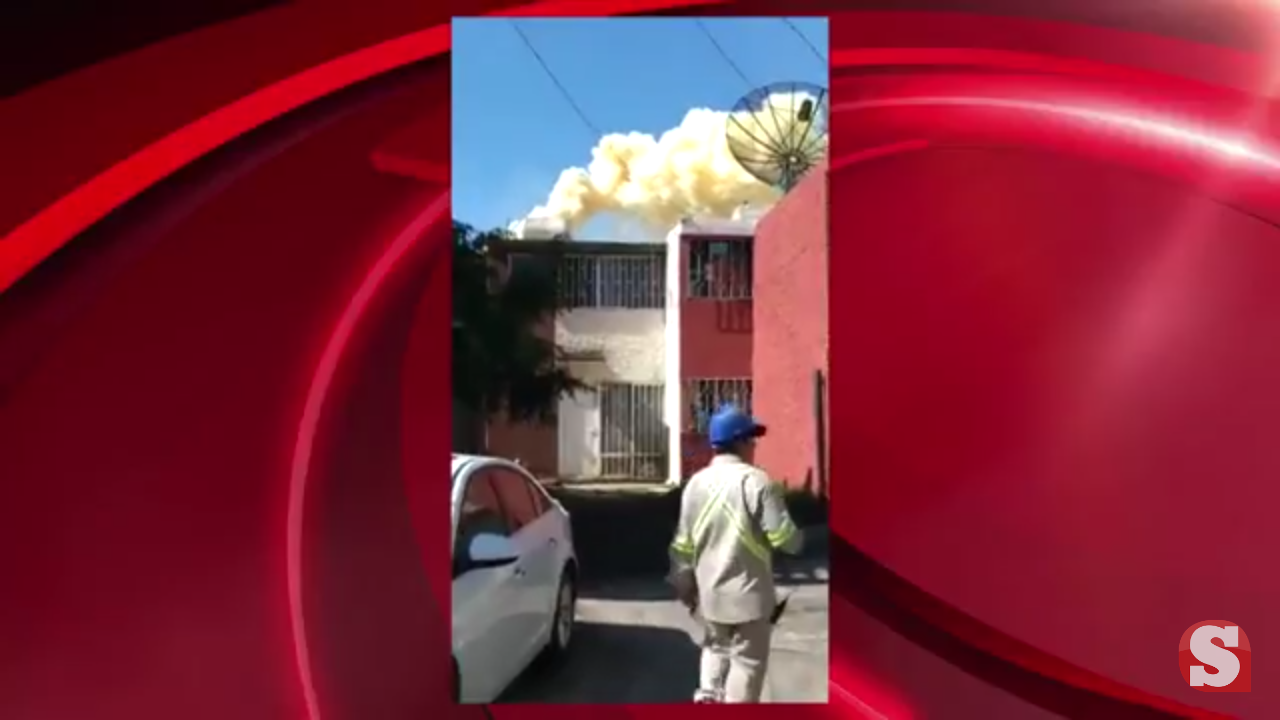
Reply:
x=485, y=615
x=578, y=431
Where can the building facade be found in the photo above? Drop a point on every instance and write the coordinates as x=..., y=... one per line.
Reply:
x=664, y=333
x=712, y=317
x=611, y=333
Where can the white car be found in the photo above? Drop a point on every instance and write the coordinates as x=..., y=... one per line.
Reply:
x=514, y=576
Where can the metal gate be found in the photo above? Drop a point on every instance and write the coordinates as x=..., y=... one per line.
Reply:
x=633, y=436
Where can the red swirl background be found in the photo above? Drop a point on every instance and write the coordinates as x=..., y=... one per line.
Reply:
x=223, y=396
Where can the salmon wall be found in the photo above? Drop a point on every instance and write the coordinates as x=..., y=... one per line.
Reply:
x=715, y=344
x=790, y=338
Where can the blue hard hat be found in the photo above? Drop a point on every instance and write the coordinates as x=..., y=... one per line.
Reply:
x=730, y=424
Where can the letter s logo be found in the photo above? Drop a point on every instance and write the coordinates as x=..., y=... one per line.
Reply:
x=1212, y=667
x=1203, y=649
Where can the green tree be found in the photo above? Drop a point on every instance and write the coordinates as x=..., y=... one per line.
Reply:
x=500, y=360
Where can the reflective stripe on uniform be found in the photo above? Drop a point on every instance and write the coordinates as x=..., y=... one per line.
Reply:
x=779, y=537
x=683, y=544
x=709, y=510
x=718, y=504
x=747, y=538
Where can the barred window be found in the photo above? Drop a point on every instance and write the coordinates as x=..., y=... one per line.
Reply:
x=706, y=395
x=633, y=436
x=613, y=281
x=720, y=269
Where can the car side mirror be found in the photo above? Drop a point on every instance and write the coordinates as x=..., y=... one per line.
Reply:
x=489, y=551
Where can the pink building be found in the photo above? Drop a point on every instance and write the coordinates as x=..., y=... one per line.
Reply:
x=791, y=332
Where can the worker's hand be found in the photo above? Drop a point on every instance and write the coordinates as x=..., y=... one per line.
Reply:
x=686, y=586
x=691, y=606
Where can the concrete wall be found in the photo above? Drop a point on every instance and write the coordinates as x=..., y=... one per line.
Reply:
x=534, y=444
x=626, y=346
x=791, y=330
x=632, y=343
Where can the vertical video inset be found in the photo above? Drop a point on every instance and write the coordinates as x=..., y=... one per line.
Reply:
x=639, y=290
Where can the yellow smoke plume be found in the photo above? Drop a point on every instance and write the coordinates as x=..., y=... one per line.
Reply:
x=687, y=171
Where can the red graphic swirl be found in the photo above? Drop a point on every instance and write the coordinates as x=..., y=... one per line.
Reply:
x=192, y=297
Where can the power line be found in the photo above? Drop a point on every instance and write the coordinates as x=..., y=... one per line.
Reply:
x=577, y=109
x=772, y=145
x=720, y=49
x=804, y=39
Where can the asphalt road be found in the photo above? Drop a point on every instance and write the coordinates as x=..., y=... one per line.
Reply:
x=635, y=644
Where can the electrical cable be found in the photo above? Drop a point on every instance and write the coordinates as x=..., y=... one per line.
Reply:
x=720, y=49
x=577, y=109
x=804, y=39
x=771, y=143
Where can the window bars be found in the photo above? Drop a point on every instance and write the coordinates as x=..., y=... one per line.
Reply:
x=720, y=269
x=706, y=395
x=633, y=436
x=613, y=281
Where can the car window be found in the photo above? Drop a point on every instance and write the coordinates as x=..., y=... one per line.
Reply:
x=517, y=498
x=481, y=511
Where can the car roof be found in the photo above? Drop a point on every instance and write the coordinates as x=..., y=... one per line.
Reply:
x=461, y=460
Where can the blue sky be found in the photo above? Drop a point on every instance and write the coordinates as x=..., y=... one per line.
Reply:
x=513, y=131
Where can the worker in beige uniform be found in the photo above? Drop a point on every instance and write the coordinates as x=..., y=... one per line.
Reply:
x=732, y=519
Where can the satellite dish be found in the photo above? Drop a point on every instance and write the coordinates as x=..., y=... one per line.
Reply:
x=779, y=131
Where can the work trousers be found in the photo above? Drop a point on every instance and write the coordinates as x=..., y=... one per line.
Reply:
x=734, y=661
